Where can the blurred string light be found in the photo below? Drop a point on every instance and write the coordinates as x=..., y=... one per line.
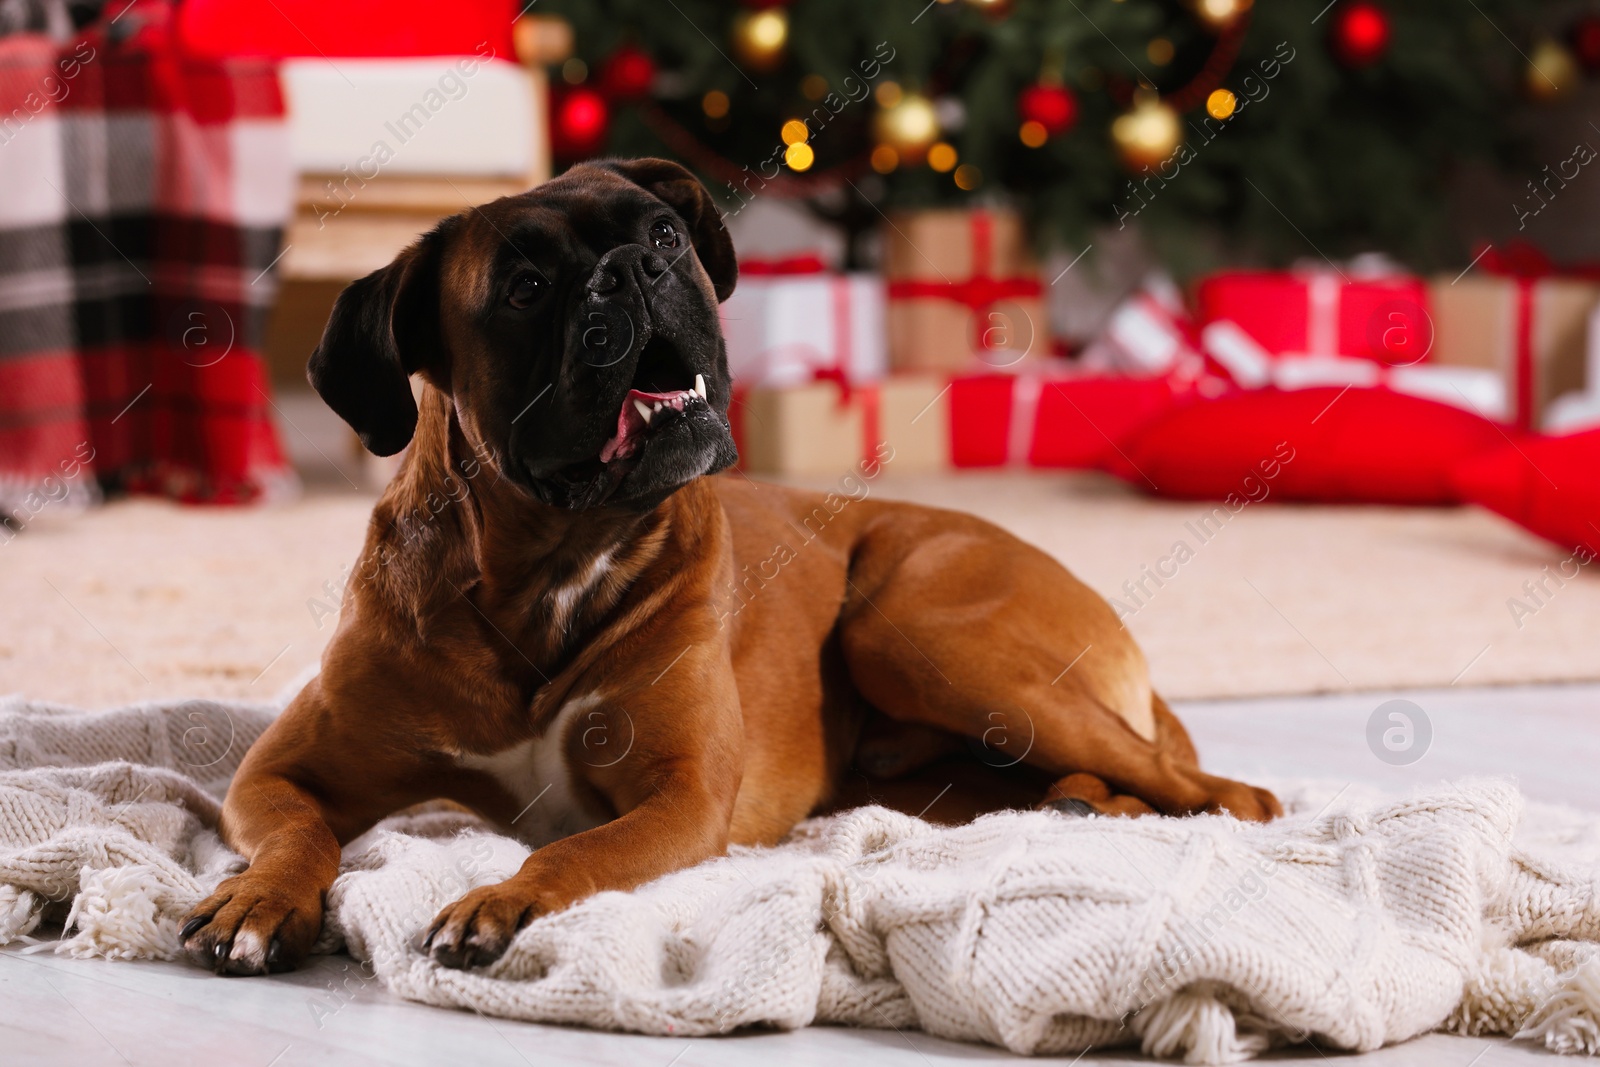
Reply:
x=1221, y=103
x=715, y=104
x=942, y=157
x=799, y=155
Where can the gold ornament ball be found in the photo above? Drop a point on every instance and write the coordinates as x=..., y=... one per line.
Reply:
x=1220, y=14
x=1147, y=134
x=995, y=9
x=1552, y=71
x=760, y=37
x=909, y=127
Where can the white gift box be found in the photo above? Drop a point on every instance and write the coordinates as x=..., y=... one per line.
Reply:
x=782, y=329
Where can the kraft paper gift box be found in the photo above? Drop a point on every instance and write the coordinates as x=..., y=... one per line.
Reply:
x=827, y=428
x=1529, y=328
x=789, y=319
x=964, y=293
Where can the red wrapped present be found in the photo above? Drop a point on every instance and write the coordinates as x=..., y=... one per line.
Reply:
x=1324, y=312
x=1523, y=319
x=964, y=292
x=1069, y=422
x=283, y=28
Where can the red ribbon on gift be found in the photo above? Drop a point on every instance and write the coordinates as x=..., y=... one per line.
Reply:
x=866, y=394
x=1527, y=265
x=979, y=292
x=804, y=263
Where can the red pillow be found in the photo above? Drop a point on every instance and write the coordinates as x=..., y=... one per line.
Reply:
x=1331, y=445
x=1550, y=486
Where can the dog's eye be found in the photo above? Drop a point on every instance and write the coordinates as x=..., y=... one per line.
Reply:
x=664, y=235
x=525, y=289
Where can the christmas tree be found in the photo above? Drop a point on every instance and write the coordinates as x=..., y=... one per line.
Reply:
x=1272, y=131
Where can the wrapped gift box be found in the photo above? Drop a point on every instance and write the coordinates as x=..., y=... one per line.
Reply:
x=1384, y=318
x=829, y=428
x=1148, y=333
x=789, y=319
x=1064, y=422
x=1249, y=366
x=1529, y=329
x=964, y=293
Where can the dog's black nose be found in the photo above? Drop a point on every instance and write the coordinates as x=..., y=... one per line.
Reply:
x=654, y=265
x=604, y=281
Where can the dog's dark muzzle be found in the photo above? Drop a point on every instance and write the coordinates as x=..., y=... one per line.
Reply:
x=614, y=320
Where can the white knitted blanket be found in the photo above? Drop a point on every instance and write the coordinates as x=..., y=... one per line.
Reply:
x=1353, y=922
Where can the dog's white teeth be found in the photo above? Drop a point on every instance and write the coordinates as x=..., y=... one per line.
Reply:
x=644, y=410
x=658, y=407
x=700, y=386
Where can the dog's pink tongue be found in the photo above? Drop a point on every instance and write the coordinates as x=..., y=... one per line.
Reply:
x=630, y=424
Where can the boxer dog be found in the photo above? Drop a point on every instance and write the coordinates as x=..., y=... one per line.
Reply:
x=563, y=621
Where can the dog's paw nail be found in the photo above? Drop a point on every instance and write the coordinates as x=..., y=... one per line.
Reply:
x=191, y=926
x=274, y=951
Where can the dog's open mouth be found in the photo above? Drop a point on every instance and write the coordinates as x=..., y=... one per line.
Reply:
x=643, y=412
x=666, y=431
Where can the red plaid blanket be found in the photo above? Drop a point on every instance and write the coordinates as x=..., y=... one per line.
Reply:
x=144, y=196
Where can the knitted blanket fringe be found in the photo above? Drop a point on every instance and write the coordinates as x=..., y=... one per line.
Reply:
x=1356, y=921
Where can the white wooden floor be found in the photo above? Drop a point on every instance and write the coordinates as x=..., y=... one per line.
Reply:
x=62, y=1011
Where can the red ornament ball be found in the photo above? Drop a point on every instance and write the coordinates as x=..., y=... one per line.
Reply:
x=1051, y=106
x=1585, y=40
x=628, y=73
x=578, y=127
x=1359, y=33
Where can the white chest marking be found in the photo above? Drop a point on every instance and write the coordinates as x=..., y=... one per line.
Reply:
x=535, y=773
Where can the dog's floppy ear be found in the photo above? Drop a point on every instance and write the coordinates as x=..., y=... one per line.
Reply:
x=674, y=184
x=383, y=329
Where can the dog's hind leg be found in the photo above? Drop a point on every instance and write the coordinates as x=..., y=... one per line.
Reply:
x=1085, y=794
x=952, y=623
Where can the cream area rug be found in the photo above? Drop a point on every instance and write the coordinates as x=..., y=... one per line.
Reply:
x=1353, y=922
x=144, y=600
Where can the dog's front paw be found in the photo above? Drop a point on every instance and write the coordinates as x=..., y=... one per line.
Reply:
x=252, y=925
x=1242, y=801
x=477, y=929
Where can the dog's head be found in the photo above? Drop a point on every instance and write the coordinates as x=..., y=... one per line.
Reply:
x=574, y=327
